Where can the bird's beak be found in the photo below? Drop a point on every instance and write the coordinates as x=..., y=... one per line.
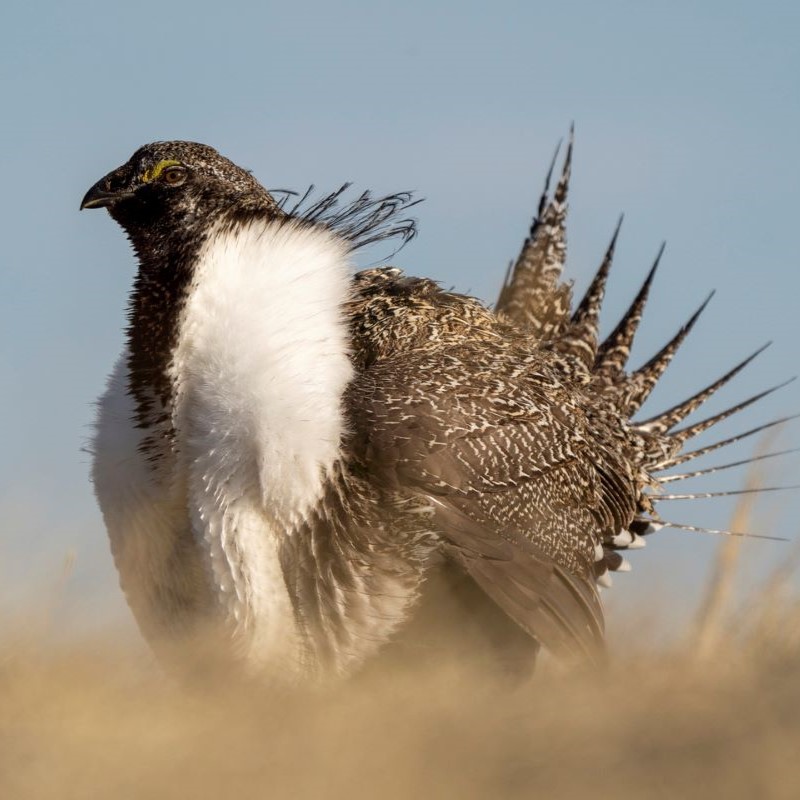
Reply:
x=107, y=191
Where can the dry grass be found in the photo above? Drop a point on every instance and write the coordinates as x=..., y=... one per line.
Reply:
x=716, y=716
x=95, y=720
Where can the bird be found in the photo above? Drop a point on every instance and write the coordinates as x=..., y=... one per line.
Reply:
x=290, y=454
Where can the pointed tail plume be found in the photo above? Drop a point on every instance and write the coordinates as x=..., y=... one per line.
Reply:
x=614, y=351
x=534, y=298
x=643, y=381
x=581, y=336
x=532, y=295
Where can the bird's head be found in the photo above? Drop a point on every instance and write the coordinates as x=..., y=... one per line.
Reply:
x=175, y=182
x=169, y=194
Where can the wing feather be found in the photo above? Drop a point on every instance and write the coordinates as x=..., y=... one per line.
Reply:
x=506, y=460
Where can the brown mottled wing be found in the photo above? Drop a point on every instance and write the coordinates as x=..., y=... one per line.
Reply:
x=556, y=607
x=500, y=449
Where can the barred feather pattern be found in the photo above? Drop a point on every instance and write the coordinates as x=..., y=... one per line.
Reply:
x=642, y=449
x=613, y=353
x=532, y=294
x=520, y=431
x=626, y=456
x=580, y=337
x=642, y=382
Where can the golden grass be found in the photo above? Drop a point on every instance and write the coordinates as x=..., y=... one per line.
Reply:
x=98, y=721
x=718, y=715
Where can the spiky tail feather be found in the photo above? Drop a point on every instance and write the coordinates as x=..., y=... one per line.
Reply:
x=534, y=298
x=532, y=294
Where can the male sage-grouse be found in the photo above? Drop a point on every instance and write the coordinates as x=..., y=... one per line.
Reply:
x=295, y=454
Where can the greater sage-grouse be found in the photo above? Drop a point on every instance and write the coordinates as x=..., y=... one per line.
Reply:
x=289, y=451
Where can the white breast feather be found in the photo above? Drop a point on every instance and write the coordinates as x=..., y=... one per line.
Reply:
x=261, y=367
x=146, y=519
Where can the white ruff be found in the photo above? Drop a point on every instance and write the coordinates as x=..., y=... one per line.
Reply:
x=161, y=573
x=260, y=368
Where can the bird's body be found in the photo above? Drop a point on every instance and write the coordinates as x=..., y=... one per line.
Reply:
x=285, y=451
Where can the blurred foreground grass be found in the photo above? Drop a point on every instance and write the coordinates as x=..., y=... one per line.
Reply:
x=95, y=720
x=715, y=715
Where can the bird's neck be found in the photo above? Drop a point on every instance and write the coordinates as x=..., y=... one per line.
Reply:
x=166, y=266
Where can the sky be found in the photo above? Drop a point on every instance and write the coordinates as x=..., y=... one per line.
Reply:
x=686, y=120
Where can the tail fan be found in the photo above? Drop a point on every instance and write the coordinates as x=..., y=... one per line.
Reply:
x=534, y=298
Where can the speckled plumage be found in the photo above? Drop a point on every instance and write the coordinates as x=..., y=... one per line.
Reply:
x=496, y=443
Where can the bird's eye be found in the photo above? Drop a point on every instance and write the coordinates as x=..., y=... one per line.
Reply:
x=173, y=176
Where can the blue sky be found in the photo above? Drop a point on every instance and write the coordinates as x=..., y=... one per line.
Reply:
x=686, y=114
